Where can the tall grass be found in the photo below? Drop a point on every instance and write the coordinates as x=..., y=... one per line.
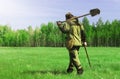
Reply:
x=51, y=63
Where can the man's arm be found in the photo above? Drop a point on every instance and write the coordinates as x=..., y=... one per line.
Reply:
x=63, y=26
x=83, y=36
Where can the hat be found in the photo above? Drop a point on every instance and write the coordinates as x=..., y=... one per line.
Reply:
x=68, y=15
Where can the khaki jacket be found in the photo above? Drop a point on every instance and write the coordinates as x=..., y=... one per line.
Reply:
x=72, y=31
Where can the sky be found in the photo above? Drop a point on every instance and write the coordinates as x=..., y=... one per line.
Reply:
x=19, y=14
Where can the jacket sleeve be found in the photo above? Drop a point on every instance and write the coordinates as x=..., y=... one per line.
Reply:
x=83, y=35
x=64, y=27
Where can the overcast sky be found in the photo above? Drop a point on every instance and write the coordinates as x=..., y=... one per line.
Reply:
x=19, y=14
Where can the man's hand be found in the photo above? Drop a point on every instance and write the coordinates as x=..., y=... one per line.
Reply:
x=84, y=43
x=59, y=23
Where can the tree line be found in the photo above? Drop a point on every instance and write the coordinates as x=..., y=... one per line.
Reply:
x=97, y=34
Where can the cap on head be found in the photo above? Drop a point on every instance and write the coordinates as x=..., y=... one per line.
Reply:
x=68, y=15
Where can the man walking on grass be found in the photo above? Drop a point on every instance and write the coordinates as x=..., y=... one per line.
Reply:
x=75, y=37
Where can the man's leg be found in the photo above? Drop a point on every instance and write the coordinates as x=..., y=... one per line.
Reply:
x=70, y=67
x=75, y=60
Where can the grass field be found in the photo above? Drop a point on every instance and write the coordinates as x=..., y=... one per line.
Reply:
x=51, y=63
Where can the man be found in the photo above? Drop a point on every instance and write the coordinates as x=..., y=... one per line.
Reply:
x=75, y=38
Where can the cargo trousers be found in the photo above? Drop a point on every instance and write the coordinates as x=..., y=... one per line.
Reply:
x=74, y=59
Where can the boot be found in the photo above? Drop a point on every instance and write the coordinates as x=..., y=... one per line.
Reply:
x=80, y=71
x=69, y=70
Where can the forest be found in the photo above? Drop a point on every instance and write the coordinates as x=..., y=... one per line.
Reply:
x=99, y=34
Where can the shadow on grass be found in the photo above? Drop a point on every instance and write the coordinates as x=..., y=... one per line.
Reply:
x=54, y=72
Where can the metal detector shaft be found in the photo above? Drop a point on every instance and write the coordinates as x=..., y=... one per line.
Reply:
x=87, y=56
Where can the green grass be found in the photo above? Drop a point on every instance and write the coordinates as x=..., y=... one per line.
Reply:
x=51, y=63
